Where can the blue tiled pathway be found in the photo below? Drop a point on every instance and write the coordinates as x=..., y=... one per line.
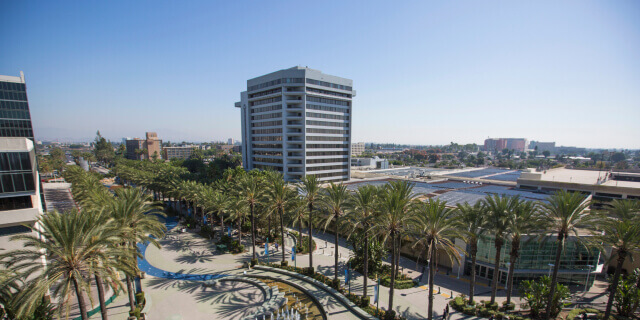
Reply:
x=145, y=266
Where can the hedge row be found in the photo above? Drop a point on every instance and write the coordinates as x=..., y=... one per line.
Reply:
x=484, y=309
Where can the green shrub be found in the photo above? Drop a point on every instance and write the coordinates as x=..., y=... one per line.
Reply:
x=508, y=307
x=390, y=315
x=458, y=303
x=140, y=298
x=135, y=313
x=284, y=263
x=484, y=312
x=468, y=310
x=365, y=301
x=491, y=306
x=335, y=283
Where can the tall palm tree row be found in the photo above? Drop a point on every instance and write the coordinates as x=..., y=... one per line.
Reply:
x=334, y=201
x=435, y=227
x=393, y=214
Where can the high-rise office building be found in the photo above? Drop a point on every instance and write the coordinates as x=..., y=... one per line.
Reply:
x=298, y=121
x=20, y=195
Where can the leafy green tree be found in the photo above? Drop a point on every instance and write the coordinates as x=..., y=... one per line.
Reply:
x=435, y=227
x=103, y=149
x=618, y=156
x=627, y=296
x=546, y=153
x=536, y=293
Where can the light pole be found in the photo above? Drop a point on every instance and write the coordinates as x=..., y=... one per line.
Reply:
x=586, y=282
x=551, y=265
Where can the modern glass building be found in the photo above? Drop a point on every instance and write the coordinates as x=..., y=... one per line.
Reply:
x=20, y=200
x=536, y=259
x=298, y=121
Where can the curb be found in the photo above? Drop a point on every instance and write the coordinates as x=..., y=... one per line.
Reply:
x=350, y=305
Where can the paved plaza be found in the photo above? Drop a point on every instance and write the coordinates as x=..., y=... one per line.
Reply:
x=176, y=271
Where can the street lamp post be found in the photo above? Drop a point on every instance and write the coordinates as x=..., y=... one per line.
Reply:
x=551, y=265
x=586, y=282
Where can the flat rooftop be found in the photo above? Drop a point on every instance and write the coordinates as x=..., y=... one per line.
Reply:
x=584, y=177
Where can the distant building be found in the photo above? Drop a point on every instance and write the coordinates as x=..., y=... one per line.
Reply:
x=150, y=148
x=543, y=146
x=372, y=163
x=298, y=121
x=230, y=141
x=171, y=153
x=21, y=200
x=497, y=145
x=357, y=149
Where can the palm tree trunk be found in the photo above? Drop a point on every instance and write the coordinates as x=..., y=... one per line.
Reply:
x=399, y=246
x=299, y=232
x=282, y=231
x=336, y=248
x=473, y=251
x=310, y=236
x=554, y=277
x=512, y=266
x=393, y=276
x=496, y=270
x=132, y=301
x=366, y=264
x=432, y=268
x=81, y=304
x=221, y=220
x=103, y=306
x=240, y=223
x=253, y=232
x=622, y=255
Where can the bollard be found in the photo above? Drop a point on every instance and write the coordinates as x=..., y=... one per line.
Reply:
x=451, y=296
x=438, y=290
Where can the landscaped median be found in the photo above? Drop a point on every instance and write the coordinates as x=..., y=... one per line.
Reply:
x=327, y=284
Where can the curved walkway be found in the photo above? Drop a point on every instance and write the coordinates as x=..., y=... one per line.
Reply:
x=180, y=250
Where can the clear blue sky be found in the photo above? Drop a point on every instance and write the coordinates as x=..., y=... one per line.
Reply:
x=425, y=72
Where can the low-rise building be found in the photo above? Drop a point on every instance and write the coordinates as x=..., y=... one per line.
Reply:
x=171, y=153
x=371, y=163
x=144, y=149
x=357, y=149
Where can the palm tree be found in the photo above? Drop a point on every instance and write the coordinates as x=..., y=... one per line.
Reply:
x=499, y=209
x=136, y=217
x=280, y=197
x=74, y=245
x=361, y=210
x=237, y=211
x=474, y=220
x=564, y=212
x=396, y=205
x=251, y=191
x=435, y=227
x=620, y=230
x=524, y=220
x=334, y=201
x=311, y=191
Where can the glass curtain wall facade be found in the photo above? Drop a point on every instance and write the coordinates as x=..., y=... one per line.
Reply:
x=536, y=259
x=20, y=197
